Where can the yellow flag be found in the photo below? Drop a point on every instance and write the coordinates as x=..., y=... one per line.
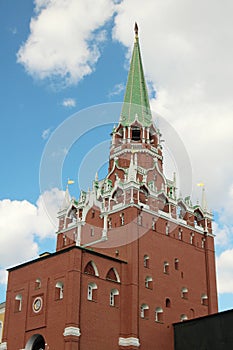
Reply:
x=70, y=182
x=200, y=184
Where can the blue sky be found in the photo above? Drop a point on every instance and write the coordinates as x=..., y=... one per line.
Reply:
x=54, y=64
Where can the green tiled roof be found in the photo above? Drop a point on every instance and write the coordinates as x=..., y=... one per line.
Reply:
x=136, y=101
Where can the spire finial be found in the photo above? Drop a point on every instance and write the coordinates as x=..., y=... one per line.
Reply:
x=136, y=30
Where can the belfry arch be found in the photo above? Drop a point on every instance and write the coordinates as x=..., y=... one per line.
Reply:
x=36, y=342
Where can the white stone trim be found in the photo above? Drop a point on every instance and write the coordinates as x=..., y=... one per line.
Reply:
x=139, y=150
x=157, y=214
x=129, y=341
x=3, y=346
x=75, y=331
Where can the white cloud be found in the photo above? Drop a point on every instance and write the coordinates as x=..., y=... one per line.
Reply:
x=117, y=89
x=45, y=133
x=3, y=276
x=69, y=102
x=65, y=39
x=188, y=58
x=225, y=272
x=22, y=224
x=223, y=234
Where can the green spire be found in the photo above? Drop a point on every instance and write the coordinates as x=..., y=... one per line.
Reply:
x=136, y=101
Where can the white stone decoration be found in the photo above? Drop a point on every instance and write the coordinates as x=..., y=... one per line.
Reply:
x=75, y=331
x=129, y=341
x=3, y=346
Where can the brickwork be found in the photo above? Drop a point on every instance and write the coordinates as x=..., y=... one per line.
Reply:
x=131, y=258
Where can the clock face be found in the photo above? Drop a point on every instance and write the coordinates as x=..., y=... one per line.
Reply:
x=37, y=304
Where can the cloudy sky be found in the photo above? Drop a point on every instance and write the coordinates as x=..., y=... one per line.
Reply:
x=59, y=57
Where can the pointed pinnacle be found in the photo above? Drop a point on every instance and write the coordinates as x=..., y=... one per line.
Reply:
x=136, y=30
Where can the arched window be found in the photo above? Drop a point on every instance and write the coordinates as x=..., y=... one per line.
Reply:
x=184, y=293
x=91, y=269
x=192, y=238
x=204, y=299
x=144, y=311
x=64, y=240
x=183, y=317
x=153, y=225
x=158, y=314
x=122, y=217
x=136, y=133
x=181, y=211
x=167, y=229
x=166, y=267
x=168, y=302
x=59, y=290
x=176, y=264
x=113, y=275
x=18, y=302
x=140, y=219
x=92, y=291
x=180, y=234
x=198, y=217
x=114, y=297
x=117, y=194
x=149, y=282
x=203, y=243
x=38, y=283
x=146, y=261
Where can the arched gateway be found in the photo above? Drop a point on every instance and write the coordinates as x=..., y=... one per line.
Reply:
x=36, y=342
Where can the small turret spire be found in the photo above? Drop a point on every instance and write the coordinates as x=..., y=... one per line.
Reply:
x=136, y=30
x=203, y=199
x=66, y=200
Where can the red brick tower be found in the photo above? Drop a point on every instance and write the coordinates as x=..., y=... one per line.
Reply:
x=131, y=257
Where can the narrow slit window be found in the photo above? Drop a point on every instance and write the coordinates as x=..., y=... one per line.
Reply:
x=184, y=293
x=18, y=303
x=59, y=291
x=146, y=261
x=176, y=264
x=166, y=267
x=168, y=302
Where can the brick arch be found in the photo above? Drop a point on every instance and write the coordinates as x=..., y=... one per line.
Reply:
x=117, y=193
x=113, y=275
x=36, y=342
x=91, y=269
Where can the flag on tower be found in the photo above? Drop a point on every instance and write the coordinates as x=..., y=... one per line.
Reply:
x=70, y=182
